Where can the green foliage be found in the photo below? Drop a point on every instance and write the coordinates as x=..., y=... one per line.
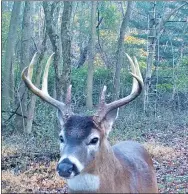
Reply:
x=182, y=78
x=176, y=77
x=185, y=61
x=78, y=79
x=5, y=27
x=166, y=87
x=102, y=76
x=110, y=14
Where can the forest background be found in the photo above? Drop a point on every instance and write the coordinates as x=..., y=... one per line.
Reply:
x=90, y=40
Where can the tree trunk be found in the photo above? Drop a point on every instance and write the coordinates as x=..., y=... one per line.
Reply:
x=89, y=98
x=119, y=54
x=8, y=88
x=54, y=39
x=152, y=38
x=66, y=47
x=25, y=58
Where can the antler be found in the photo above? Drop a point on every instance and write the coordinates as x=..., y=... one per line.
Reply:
x=136, y=90
x=43, y=93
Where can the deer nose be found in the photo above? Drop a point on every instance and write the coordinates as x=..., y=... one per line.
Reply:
x=65, y=169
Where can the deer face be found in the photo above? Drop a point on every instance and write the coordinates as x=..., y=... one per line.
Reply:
x=79, y=143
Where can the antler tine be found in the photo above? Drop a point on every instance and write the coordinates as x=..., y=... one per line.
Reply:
x=136, y=90
x=30, y=69
x=133, y=68
x=45, y=76
x=138, y=69
x=102, y=106
x=27, y=72
x=43, y=94
x=103, y=96
x=68, y=95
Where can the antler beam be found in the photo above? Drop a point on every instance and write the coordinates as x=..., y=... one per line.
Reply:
x=137, y=87
x=43, y=93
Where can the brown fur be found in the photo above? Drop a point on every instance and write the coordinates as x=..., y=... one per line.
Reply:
x=124, y=168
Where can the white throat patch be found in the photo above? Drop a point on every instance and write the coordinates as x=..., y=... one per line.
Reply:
x=84, y=182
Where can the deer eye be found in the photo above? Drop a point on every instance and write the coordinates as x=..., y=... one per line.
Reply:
x=61, y=139
x=94, y=141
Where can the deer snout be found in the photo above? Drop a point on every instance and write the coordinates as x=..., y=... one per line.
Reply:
x=67, y=169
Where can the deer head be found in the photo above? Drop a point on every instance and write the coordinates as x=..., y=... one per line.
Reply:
x=83, y=138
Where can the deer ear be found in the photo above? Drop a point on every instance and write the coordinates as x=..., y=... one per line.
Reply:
x=60, y=117
x=109, y=120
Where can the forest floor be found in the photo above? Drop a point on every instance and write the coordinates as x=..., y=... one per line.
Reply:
x=31, y=171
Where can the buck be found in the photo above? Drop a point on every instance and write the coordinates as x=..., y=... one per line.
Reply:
x=88, y=162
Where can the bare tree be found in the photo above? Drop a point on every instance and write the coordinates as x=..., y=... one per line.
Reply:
x=62, y=74
x=119, y=54
x=49, y=9
x=66, y=46
x=8, y=87
x=89, y=98
x=25, y=56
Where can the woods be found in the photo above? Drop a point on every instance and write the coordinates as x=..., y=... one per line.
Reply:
x=90, y=41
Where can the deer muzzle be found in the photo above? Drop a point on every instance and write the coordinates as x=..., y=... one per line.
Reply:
x=67, y=169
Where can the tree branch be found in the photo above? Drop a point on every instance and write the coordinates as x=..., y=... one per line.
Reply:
x=16, y=113
x=166, y=17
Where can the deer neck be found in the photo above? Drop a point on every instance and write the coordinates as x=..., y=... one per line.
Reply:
x=104, y=161
x=105, y=168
